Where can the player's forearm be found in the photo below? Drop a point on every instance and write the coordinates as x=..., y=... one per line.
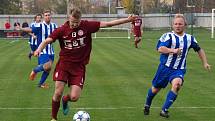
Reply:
x=202, y=56
x=119, y=21
x=44, y=44
x=114, y=22
x=32, y=34
x=166, y=50
x=28, y=30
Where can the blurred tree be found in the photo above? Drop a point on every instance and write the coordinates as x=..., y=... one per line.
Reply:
x=85, y=6
x=151, y=6
x=60, y=6
x=38, y=6
x=137, y=6
x=165, y=7
x=102, y=6
x=147, y=6
x=10, y=7
x=207, y=5
x=198, y=6
x=41, y=5
x=181, y=6
x=129, y=5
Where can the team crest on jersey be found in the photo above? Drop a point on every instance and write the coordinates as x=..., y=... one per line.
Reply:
x=56, y=74
x=80, y=32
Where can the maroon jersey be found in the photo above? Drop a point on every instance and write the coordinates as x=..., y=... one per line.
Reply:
x=137, y=27
x=76, y=44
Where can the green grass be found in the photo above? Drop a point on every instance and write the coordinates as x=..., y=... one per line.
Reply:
x=117, y=81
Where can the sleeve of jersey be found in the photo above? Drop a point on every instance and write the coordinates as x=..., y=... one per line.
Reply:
x=194, y=44
x=55, y=34
x=93, y=26
x=31, y=25
x=164, y=40
x=55, y=26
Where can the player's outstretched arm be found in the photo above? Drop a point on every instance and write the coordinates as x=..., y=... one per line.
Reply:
x=32, y=34
x=118, y=21
x=42, y=46
x=19, y=28
x=203, y=58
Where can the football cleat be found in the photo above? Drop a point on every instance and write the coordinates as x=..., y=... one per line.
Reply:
x=135, y=44
x=164, y=114
x=146, y=110
x=30, y=55
x=32, y=75
x=65, y=106
x=45, y=86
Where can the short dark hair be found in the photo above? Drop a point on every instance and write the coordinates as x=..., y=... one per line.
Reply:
x=39, y=14
x=75, y=12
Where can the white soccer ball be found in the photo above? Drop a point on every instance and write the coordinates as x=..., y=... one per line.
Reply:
x=81, y=116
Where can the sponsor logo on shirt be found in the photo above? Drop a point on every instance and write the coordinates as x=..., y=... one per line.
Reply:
x=78, y=43
x=80, y=32
x=56, y=74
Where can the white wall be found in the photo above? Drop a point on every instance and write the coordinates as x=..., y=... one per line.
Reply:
x=149, y=20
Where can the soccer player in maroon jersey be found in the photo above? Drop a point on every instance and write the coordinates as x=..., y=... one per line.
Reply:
x=76, y=44
x=7, y=24
x=136, y=29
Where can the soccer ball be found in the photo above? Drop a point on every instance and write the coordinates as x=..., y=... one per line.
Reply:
x=81, y=116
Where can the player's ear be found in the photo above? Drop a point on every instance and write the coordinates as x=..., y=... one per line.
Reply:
x=185, y=23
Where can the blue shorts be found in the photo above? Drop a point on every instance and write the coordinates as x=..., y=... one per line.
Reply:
x=43, y=58
x=165, y=75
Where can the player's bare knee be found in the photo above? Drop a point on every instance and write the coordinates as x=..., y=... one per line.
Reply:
x=48, y=69
x=58, y=95
x=155, y=90
x=176, y=87
x=47, y=66
x=74, y=98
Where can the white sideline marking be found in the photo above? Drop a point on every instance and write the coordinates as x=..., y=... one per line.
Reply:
x=14, y=41
x=105, y=108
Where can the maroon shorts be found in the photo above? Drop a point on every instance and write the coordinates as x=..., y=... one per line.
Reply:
x=70, y=73
x=137, y=34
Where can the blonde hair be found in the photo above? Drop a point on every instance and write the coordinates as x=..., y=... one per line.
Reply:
x=180, y=16
x=75, y=12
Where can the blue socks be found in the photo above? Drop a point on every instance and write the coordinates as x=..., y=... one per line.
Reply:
x=149, y=98
x=43, y=77
x=171, y=97
x=39, y=68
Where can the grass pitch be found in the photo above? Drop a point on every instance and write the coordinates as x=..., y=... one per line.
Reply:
x=117, y=81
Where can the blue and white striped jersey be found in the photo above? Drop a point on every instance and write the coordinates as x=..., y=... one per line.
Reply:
x=42, y=31
x=172, y=40
x=33, y=41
